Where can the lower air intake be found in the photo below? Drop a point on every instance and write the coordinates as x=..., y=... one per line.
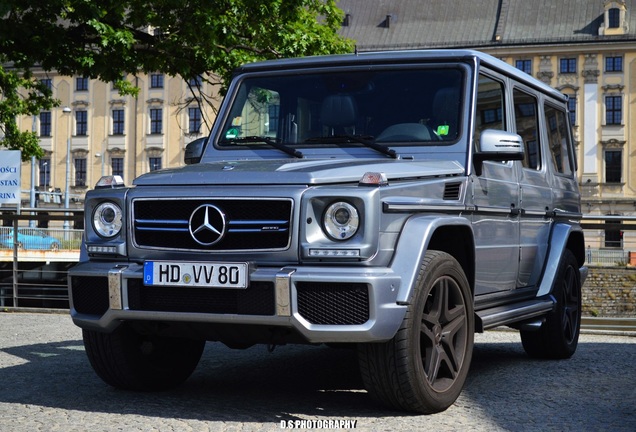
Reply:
x=333, y=303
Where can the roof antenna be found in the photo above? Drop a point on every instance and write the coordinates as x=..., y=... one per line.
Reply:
x=355, y=50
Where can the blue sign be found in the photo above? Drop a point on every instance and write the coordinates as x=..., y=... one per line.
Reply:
x=10, y=163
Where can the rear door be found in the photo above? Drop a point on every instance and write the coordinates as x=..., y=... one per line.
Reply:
x=535, y=195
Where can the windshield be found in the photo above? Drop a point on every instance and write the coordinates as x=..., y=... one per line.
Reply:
x=380, y=109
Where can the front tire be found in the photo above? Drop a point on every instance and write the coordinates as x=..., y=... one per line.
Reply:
x=558, y=337
x=128, y=360
x=424, y=367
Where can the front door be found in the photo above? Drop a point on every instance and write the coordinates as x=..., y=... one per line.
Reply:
x=495, y=195
x=496, y=227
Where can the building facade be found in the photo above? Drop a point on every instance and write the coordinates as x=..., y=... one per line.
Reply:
x=584, y=48
x=96, y=131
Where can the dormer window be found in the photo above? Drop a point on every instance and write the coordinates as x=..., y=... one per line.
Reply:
x=614, y=18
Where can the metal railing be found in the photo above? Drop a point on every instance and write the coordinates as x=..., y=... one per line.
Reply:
x=34, y=262
x=40, y=239
x=607, y=257
x=610, y=240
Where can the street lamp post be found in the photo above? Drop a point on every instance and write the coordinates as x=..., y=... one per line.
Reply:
x=67, y=111
x=46, y=174
x=32, y=198
x=32, y=201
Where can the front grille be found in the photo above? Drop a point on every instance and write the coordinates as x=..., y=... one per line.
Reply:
x=257, y=299
x=250, y=224
x=90, y=294
x=333, y=303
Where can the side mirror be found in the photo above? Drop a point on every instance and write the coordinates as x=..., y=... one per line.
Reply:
x=194, y=151
x=499, y=146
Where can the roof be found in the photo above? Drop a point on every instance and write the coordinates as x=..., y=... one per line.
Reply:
x=412, y=24
x=384, y=57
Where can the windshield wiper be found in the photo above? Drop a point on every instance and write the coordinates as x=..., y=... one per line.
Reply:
x=269, y=141
x=367, y=141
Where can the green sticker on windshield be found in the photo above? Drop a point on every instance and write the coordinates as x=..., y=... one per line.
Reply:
x=442, y=130
x=231, y=133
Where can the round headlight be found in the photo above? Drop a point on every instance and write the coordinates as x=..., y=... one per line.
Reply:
x=107, y=219
x=341, y=221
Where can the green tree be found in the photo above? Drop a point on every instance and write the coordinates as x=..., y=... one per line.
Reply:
x=109, y=39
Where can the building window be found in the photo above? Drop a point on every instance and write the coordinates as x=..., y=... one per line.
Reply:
x=81, y=84
x=613, y=166
x=118, y=122
x=194, y=115
x=117, y=164
x=613, y=18
x=567, y=65
x=492, y=115
x=274, y=113
x=48, y=83
x=154, y=163
x=156, y=120
x=113, y=84
x=156, y=81
x=613, y=110
x=45, y=124
x=614, y=64
x=524, y=65
x=195, y=82
x=613, y=234
x=45, y=172
x=80, y=171
x=81, y=123
x=572, y=110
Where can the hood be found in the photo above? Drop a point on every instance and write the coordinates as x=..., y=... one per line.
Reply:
x=300, y=172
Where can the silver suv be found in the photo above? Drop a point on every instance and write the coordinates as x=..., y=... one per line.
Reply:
x=397, y=202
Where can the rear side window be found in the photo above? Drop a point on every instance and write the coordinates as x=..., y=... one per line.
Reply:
x=559, y=140
x=526, y=121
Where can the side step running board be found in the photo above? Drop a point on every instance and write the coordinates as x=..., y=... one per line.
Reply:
x=507, y=314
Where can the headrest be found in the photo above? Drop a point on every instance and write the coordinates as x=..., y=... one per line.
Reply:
x=338, y=111
x=446, y=104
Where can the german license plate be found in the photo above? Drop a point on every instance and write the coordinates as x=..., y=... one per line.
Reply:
x=196, y=274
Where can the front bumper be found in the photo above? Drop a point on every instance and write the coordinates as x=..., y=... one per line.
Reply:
x=322, y=304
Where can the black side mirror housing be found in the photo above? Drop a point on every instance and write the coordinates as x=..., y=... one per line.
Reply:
x=194, y=151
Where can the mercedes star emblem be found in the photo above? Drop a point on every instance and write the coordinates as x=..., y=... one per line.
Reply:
x=207, y=224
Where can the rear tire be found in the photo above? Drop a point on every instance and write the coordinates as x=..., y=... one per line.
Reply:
x=424, y=367
x=559, y=335
x=128, y=360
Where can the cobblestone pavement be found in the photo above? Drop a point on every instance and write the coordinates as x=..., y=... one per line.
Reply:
x=47, y=384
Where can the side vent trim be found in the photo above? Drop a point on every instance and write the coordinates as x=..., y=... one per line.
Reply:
x=452, y=191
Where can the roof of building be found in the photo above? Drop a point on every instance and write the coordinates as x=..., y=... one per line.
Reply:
x=410, y=24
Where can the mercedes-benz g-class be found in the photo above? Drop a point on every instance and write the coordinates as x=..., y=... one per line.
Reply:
x=397, y=202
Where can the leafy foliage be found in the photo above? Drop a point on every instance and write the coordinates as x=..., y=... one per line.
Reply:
x=108, y=39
